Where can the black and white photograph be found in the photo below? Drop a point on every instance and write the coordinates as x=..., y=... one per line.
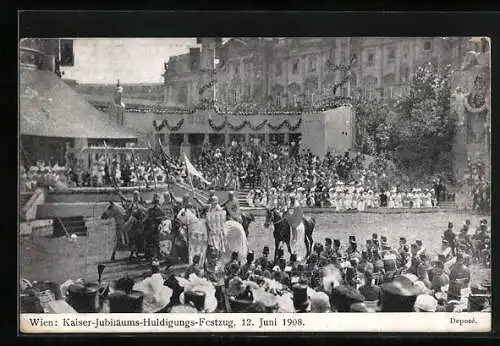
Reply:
x=284, y=176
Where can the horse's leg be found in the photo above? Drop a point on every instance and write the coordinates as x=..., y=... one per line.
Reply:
x=114, y=253
x=276, y=247
x=289, y=247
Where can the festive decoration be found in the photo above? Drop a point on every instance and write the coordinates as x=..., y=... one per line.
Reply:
x=164, y=123
x=287, y=123
x=258, y=127
x=217, y=127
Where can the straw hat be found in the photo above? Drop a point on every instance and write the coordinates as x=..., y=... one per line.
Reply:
x=320, y=302
x=425, y=303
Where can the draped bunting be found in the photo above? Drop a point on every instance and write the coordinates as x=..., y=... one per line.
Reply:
x=164, y=123
x=247, y=123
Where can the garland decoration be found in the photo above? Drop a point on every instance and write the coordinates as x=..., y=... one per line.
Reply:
x=473, y=107
x=217, y=127
x=165, y=123
x=287, y=123
x=258, y=127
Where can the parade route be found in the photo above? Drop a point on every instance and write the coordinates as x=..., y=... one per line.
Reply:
x=58, y=259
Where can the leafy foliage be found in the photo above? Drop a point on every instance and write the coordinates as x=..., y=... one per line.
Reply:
x=417, y=128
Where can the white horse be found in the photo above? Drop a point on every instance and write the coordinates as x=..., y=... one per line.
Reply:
x=232, y=234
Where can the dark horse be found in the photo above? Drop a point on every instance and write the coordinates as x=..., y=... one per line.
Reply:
x=282, y=230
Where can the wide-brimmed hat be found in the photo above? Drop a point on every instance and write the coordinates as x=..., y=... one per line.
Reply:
x=366, y=306
x=425, y=303
x=402, y=285
x=343, y=296
x=320, y=302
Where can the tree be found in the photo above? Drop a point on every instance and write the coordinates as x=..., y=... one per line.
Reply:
x=425, y=124
x=375, y=123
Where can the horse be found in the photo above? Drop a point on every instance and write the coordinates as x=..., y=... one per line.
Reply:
x=230, y=238
x=128, y=228
x=282, y=230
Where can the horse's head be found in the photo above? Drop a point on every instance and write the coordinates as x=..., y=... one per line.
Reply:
x=247, y=218
x=186, y=216
x=271, y=216
x=113, y=210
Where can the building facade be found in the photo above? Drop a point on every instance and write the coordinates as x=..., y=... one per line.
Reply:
x=285, y=72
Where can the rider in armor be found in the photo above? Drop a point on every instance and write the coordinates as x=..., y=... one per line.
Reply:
x=155, y=216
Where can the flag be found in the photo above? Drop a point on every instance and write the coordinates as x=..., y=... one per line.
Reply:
x=193, y=171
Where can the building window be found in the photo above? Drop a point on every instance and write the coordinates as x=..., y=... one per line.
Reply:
x=236, y=69
x=295, y=67
x=371, y=59
x=67, y=54
x=279, y=69
x=391, y=55
x=427, y=45
x=312, y=64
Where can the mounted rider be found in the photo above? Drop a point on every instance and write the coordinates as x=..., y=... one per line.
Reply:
x=155, y=216
x=232, y=208
x=137, y=202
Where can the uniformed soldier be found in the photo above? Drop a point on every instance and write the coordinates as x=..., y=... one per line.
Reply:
x=248, y=267
x=152, y=232
x=195, y=268
x=450, y=236
x=264, y=261
x=328, y=251
x=232, y=268
x=352, y=250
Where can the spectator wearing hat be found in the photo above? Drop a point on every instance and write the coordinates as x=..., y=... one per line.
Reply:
x=233, y=264
x=464, y=242
x=446, y=251
x=320, y=303
x=438, y=277
x=450, y=236
x=328, y=251
x=336, y=247
x=369, y=290
x=194, y=268
x=352, y=250
x=479, y=238
x=294, y=265
x=425, y=303
x=195, y=299
x=423, y=272
x=263, y=262
x=384, y=244
x=365, y=264
x=301, y=301
x=249, y=267
x=400, y=294
x=459, y=273
x=420, y=247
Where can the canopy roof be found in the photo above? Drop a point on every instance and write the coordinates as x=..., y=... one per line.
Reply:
x=49, y=107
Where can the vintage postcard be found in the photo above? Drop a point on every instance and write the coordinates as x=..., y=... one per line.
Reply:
x=263, y=184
